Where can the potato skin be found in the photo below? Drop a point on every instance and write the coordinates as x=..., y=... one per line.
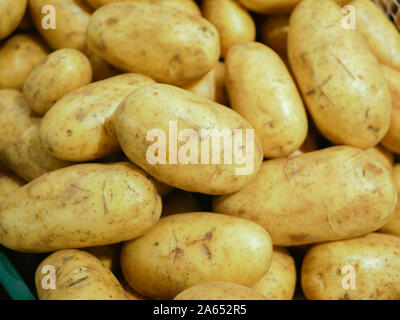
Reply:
x=231, y=19
x=11, y=12
x=340, y=79
x=80, y=126
x=80, y=206
x=72, y=18
x=383, y=155
x=79, y=276
x=375, y=257
x=18, y=56
x=219, y=290
x=270, y=6
x=262, y=90
x=165, y=44
x=135, y=118
x=279, y=283
x=393, y=225
x=8, y=184
x=330, y=194
x=173, y=256
x=61, y=72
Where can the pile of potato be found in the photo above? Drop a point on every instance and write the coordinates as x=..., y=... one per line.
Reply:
x=79, y=94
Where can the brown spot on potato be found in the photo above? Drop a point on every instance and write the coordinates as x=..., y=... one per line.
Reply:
x=373, y=169
x=77, y=281
x=206, y=252
x=112, y=20
x=178, y=252
x=298, y=237
x=69, y=132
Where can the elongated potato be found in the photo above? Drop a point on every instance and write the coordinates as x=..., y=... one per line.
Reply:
x=187, y=249
x=370, y=263
x=340, y=79
x=80, y=126
x=11, y=13
x=165, y=44
x=205, y=86
x=330, y=194
x=270, y=6
x=79, y=276
x=279, y=283
x=233, y=22
x=8, y=184
x=71, y=18
x=262, y=90
x=21, y=150
x=380, y=34
x=274, y=32
x=189, y=117
x=393, y=225
x=179, y=201
x=108, y=255
x=219, y=290
x=18, y=57
x=60, y=73
x=80, y=206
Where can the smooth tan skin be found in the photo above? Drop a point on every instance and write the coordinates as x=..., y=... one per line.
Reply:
x=163, y=43
x=233, y=22
x=80, y=206
x=380, y=34
x=330, y=194
x=219, y=290
x=205, y=87
x=270, y=6
x=108, y=255
x=79, y=276
x=340, y=79
x=11, y=12
x=61, y=72
x=187, y=249
x=9, y=183
x=279, y=283
x=72, y=18
x=392, y=139
x=262, y=90
x=393, y=225
x=375, y=257
x=274, y=32
x=135, y=118
x=382, y=155
x=80, y=126
x=18, y=57
x=221, y=94
x=179, y=201
x=21, y=150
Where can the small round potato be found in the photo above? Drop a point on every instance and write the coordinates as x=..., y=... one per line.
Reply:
x=61, y=72
x=11, y=13
x=79, y=276
x=270, y=6
x=187, y=249
x=393, y=225
x=274, y=32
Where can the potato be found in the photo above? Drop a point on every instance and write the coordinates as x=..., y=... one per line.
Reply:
x=382, y=155
x=163, y=43
x=179, y=201
x=392, y=139
x=101, y=69
x=187, y=249
x=8, y=184
x=219, y=290
x=270, y=6
x=340, y=79
x=205, y=86
x=108, y=255
x=79, y=276
x=373, y=260
x=233, y=22
x=11, y=13
x=176, y=110
x=262, y=90
x=393, y=225
x=80, y=126
x=71, y=20
x=20, y=147
x=380, y=34
x=18, y=56
x=274, y=32
x=279, y=283
x=60, y=73
x=79, y=206
x=330, y=194
x=221, y=94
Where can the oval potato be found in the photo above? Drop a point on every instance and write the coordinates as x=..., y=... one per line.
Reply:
x=11, y=13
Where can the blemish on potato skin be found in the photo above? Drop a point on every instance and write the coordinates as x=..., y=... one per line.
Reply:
x=206, y=251
x=77, y=281
x=112, y=20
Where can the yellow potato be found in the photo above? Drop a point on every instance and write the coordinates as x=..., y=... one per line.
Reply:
x=279, y=283
x=179, y=201
x=80, y=126
x=270, y=6
x=392, y=139
x=79, y=276
x=330, y=194
x=382, y=155
x=20, y=147
x=71, y=19
x=108, y=255
x=8, y=184
x=18, y=56
x=60, y=73
x=204, y=87
x=371, y=263
x=219, y=290
x=380, y=34
x=340, y=79
x=11, y=13
x=80, y=206
x=393, y=225
x=163, y=43
x=233, y=22
x=221, y=94
x=190, y=116
x=262, y=90
x=187, y=249
x=274, y=32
